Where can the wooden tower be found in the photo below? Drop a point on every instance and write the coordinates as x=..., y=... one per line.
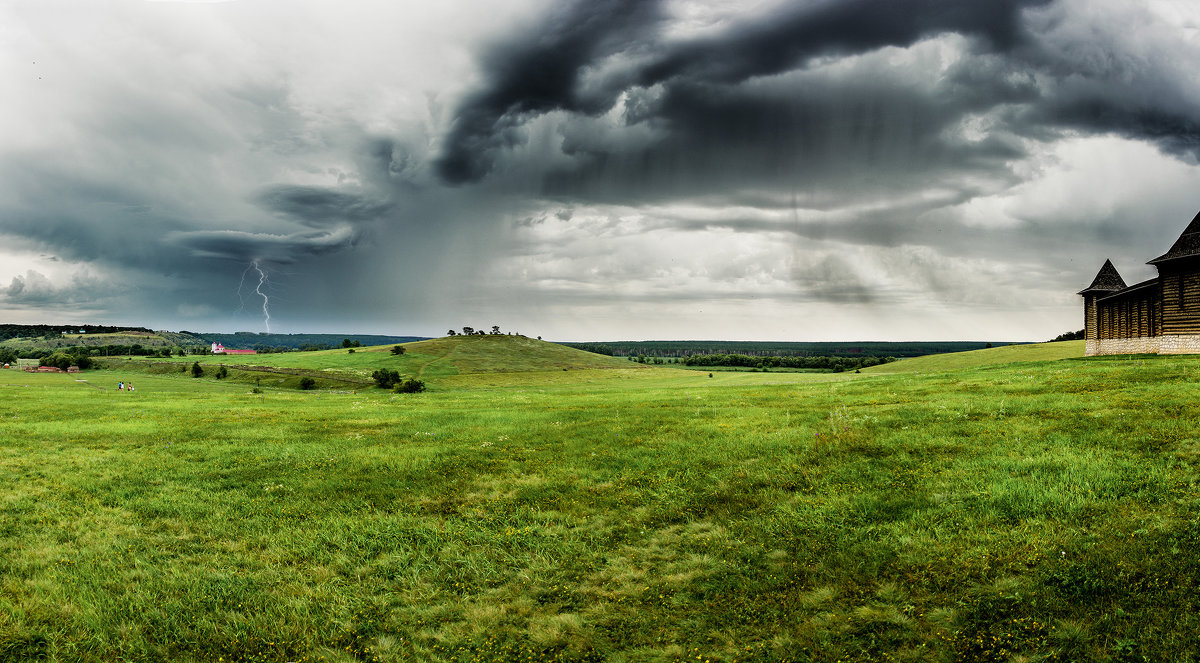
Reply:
x=1107, y=282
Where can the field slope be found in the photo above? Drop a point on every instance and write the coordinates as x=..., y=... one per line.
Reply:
x=433, y=361
x=957, y=361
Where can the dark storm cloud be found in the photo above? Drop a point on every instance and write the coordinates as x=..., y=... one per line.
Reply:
x=320, y=206
x=871, y=135
x=756, y=104
x=244, y=246
x=550, y=75
x=537, y=74
x=841, y=27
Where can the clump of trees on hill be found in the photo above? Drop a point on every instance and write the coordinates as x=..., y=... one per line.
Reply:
x=1069, y=336
x=66, y=359
x=385, y=378
x=471, y=331
x=134, y=350
x=53, y=331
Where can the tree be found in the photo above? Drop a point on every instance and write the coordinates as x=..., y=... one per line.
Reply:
x=468, y=331
x=307, y=383
x=196, y=370
x=496, y=329
x=346, y=343
x=385, y=378
x=397, y=350
x=452, y=333
x=409, y=386
x=222, y=372
x=57, y=360
x=7, y=356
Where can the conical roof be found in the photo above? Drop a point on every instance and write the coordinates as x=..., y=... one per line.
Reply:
x=1107, y=280
x=1187, y=246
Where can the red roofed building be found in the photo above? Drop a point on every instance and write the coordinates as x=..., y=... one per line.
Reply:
x=219, y=349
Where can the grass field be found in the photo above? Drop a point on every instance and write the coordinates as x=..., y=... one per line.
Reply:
x=547, y=505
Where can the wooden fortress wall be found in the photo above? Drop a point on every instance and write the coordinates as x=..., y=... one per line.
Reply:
x=1160, y=316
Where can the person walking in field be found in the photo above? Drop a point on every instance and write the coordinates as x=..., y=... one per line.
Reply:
x=120, y=386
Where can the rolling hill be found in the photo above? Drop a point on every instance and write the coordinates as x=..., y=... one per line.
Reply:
x=1008, y=354
x=431, y=360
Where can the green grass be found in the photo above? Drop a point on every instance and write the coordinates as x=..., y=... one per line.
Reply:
x=432, y=361
x=1007, y=354
x=1032, y=511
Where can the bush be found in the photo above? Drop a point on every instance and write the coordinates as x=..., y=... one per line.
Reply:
x=65, y=359
x=222, y=372
x=196, y=370
x=410, y=386
x=397, y=350
x=307, y=383
x=385, y=378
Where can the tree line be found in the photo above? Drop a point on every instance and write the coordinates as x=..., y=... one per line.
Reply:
x=899, y=349
x=8, y=330
x=827, y=363
x=135, y=350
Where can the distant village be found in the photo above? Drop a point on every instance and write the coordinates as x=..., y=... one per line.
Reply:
x=219, y=349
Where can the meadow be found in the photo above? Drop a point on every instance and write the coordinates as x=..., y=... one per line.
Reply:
x=539, y=503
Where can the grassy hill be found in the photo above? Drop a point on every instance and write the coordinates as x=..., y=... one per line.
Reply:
x=433, y=361
x=250, y=341
x=146, y=339
x=957, y=361
x=1039, y=510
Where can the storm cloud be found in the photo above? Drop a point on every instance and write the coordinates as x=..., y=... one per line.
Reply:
x=823, y=93
x=808, y=169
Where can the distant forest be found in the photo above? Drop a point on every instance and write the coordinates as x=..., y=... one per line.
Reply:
x=854, y=349
x=8, y=331
x=276, y=342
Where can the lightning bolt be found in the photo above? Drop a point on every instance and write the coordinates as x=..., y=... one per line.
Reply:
x=242, y=282
x=262, y=279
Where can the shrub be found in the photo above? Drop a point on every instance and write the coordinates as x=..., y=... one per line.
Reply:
x=222, y=372
x=64, y=359
x=196, y=370
x=385, y=378
x=307, y=383
x=410, y=386
x=397, y=350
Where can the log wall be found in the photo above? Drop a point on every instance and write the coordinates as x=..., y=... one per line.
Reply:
x=1133, y=315
x=1180, y=300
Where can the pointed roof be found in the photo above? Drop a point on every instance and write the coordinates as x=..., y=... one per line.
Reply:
x=1187, y=246
x=1107, y=280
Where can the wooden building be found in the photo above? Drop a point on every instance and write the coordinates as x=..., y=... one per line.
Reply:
x=1161, y=315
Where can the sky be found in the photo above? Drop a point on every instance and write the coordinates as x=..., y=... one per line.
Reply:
x=813, y=170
